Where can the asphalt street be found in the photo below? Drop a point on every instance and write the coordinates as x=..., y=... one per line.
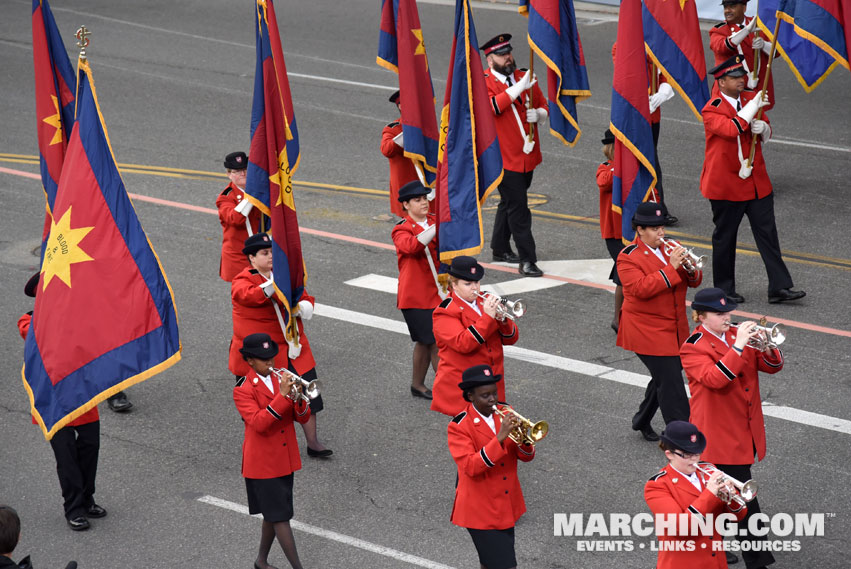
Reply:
x=175, y=83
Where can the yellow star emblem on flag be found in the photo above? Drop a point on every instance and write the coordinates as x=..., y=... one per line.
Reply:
x=283, y=179
x=55, y=121
x=63, y=250
x=420, y=49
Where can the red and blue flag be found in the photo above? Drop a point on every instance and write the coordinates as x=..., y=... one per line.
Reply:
x=401, y=49
x=554, y=37
x=804, y=51
x=469, y=163
x=272, y=160
x=55, y=85
x=104, y=316
x=635, y=175
x=673, y=41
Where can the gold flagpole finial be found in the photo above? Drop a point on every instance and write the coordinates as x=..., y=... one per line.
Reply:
x=83, y=41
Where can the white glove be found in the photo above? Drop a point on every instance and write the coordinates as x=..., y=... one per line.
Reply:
x=664, y=93
x=758, y=126
x=748, y=112
x=399, y=139
x=426, y=236
x=758, y=43
x=525, y=83
x=531, y=115
x=304, y=310
x=268, y=286
x=738, y=37
x=543, y=115
x=753, y=82
x=744, y=171
x=244, y=207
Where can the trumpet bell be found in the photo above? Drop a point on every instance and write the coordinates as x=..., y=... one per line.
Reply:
x=539, y=430
x=748, y=490
x=517, y=308
x=312, y=389
x=777, y=334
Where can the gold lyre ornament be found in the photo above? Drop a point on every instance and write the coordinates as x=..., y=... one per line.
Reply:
x=82, y=36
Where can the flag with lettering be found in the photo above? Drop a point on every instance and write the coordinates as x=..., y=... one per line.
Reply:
x=104, y=316
x=555, y=39
x=635, y=175
x=401, y=49
x=673, y=41
x=469, y=164
x=272, y=160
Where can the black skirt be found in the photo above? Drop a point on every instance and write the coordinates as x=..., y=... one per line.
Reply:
x=272, y=497
x=615, y=246
x=495, y=547
x=419, y=324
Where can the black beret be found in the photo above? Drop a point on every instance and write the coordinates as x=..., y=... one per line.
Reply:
x=499, y=45
x=31, y=288
x=477, y=376
x=412, y=190
x=236, y=161
x=712, y=300
x=608, y=137
x=256, y=242
x=684, y=436
x=394, y=97
x=260, y=346
x=649, y=214
x=466, y=269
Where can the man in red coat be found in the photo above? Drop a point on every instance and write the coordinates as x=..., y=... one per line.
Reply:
x=468, y=333
x=736, y=36
x=402, y=169
x=488, y=497
x=509, y=91
x=736, y=189
x=722, y=372
x=237, y=215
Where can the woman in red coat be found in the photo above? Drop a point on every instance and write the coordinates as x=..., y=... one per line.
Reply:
x=488, y=497
x=254, y=300
x=270, y=450
x=680, y=490
x=238, y=217
x=723, y=376
x=653, y=320
x=468, y=333
x=418, y=295
x=610, y=227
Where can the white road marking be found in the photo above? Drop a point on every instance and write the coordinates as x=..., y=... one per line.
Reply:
x=332, y=535
x=586, y=368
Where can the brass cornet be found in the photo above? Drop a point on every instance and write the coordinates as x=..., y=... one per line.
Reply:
x=527, y=432
x=744, y=493
x=692, y=262
x=768, y=337
x=311, y=388
x=506, y=308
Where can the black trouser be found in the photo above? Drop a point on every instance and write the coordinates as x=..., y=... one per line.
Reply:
x=665, y=391
x=742, y=473
x=727, y=216
x=76, y=450
x=513, y=217
x=656, y=128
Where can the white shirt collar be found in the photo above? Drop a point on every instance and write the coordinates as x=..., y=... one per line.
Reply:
x=489, y=419
x=267, y=380
x=721, y=337
x=693, y=478
x=472, y=305
x=731, y=100
x=499, y=76
x=657, y=251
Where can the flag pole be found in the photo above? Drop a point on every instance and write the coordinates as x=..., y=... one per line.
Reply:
x=531, y=136
x=756, y=58
x=765, y=86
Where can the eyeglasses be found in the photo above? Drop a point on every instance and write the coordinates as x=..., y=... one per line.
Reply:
x=685, y=455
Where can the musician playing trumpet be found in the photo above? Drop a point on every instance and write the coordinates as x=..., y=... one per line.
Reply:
x=679, y=488
x=488, y=497
x=722, y=371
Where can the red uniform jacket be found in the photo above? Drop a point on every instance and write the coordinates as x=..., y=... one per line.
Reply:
x=416, y=283
x=402, y=169
x=270, y=448
x=719, y=43
x=234, y=232
x=89, y=416
x=254, y=313
x=510, y=137
x=655, y=116
x=725, y=400
x=653, y=318
x=488, y=494
x=610, y=223
x=720, y=179
x=669, y=492
x=465, y=339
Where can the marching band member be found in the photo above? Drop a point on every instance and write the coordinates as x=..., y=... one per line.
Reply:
x=468, y=333
x=722, y=372
x=680, y=489
x=653, y=320
x=237, y=215
x=402, y=168
x=609, y=222
x=417, y=296
x=270, y=453
x=488, y=497
x=253, y=297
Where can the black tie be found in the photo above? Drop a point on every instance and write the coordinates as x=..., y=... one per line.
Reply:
x=738, y=105
x=508, y=81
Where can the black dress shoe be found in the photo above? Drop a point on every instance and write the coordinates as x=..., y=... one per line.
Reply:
x=319, y=453
x=510, y=257
x=648, y=433
x=79, y=523
x=671, y=220
x=119, y=403
x=95, y=511
x=737, y=298
x=528, y=269
x=731, y=558
x=784, y=295
x=424, y=394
